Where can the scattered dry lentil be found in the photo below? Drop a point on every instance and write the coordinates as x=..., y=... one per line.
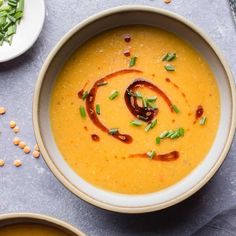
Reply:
x=22, y=144
x=36, y=154
x=16, y=141
x=12, y=124
x=2, y=110
x=26, y=149
x=167, y=1
x=17, y=163
x=16, y=129
x=2, y=163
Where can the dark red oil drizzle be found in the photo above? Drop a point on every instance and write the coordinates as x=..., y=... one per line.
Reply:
x=178, y=88
x=95, y=137
x=90, y=104
x=171, y=156
x=81, y=92
x=126, y=53
x=199, y=112
x=143, y=113
x=127, y=38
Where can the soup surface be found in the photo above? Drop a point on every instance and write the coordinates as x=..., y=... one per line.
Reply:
x=30, y=229
x=135, y=110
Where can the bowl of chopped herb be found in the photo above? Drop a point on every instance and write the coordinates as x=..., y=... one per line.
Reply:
x=21, y=22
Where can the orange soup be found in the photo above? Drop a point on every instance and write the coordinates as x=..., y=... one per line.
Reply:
x=135, y=110
x=30, y=229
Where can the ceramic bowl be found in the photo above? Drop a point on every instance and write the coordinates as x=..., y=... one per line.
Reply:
x=121, y=16
x=17, y=218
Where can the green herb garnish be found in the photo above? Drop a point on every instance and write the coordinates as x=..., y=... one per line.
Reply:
x=158, y=140
x=85, y=95
x=169, y=67
x=102, y=83
x=136, y=123
x=152, y=104
x=82, y=112
x=170, y=134
x=164, y=134
x=175, y=135
x=152, y=99
x=169, y=56
x=113, y=131
x=138, y=94
x=151, y=125
x=181, y=132
x=132, y=61
x=203, y=120
x=151, y=154
x=11, y=12
x=175, y=109
x=98, y=111
x=114, y=94
x=144, y=100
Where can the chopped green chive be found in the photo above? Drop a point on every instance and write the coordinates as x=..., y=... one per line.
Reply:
x=175, y=109
x=203, y=120
x=148, y=127
x=181, y=132
x=152, y=105
x=113, y=131
x=114, y=94
x=169, y=57
x=102, y=83
x=152, y=99
x=151, y=125
x=170, y=133
x=132, y=61
x=151, y=154
x=175, y=135
x=169, y=67
x=98, y=111
x=136, y=123
x=11, y=12
x=144, y=100
x=20, y=7
x=82, y=112
x=158, y=140
x=138, y=94
x=164, y=134
x=85, y=95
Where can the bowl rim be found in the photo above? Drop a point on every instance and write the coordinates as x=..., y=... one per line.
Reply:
x=28, y=217
x=59, y=174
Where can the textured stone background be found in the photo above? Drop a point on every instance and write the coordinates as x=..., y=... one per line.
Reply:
x=33, y=187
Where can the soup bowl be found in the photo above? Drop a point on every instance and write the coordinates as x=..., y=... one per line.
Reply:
x=24, y=218
x=109, y=19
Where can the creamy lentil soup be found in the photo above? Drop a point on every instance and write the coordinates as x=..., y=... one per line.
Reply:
x=135, y=110
x=30, y=229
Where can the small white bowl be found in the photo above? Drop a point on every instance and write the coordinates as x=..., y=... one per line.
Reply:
x=133, y=15
x=27, y=31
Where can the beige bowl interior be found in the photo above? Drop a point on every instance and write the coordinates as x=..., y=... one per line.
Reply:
x=133, y=15
x=18, y=218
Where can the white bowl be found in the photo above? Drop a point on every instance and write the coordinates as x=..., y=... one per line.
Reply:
x=133, y=15
x=27, y=31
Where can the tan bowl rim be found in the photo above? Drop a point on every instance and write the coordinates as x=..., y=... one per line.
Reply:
x=57, y=172
x=40, y=218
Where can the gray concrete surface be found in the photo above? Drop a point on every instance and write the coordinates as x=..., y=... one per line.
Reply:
x=33, y=187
